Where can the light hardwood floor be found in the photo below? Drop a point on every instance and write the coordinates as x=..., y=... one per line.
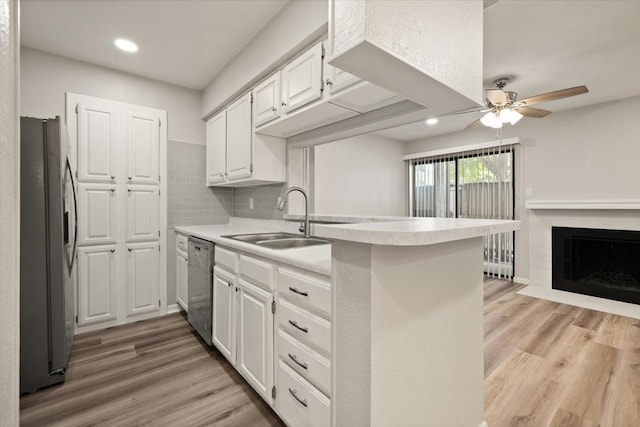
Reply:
x=546, y=364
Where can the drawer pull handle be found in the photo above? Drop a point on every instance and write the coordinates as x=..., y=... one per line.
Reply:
x=295, y=325
x=296, y=291
x=294, y=393
x=295, y=359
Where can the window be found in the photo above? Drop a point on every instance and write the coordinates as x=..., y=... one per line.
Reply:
x=472, y=184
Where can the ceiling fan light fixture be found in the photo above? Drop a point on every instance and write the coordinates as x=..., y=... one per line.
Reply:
x=491, y=120
x=510, y=116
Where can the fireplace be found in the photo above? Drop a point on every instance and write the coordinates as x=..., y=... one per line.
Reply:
x=601, y=263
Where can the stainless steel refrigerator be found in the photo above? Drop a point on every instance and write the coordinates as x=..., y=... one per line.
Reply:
x=48, y=230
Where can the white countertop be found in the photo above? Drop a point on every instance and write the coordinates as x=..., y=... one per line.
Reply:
x=313, y=258
x=414, y=231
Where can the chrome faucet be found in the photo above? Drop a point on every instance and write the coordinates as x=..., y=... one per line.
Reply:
x=283, y=202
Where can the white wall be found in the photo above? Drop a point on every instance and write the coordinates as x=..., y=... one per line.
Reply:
x=588, y=153
x=45, y=78
x=9, y=214
x=364, y=175
x=296, y=25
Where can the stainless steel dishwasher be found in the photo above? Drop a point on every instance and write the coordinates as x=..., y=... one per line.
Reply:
x=200, y=286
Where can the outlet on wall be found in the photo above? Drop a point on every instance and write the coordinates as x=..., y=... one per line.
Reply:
x=251, y=203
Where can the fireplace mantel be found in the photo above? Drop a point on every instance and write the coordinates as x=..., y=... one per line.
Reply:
x=625, y=204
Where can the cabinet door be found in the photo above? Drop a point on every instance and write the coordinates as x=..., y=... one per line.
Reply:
x=182, y=279
x=266, y=100
x=97, y=139
x=143, y=295
x=97, y=281
x=337, y=79
x=255, y=338
x=142, y=139
x=239, y=138
x=224, y=324
x=142, y=213
x=217, y=148
x=302, y=79
x=97, y=209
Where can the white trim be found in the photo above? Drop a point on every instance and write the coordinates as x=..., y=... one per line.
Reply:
x=186, y=142
x=583, y=204
x=174, y=308
x=521, y=280
x=463, y=148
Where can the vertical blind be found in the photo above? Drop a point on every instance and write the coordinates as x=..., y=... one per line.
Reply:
x=471, y=184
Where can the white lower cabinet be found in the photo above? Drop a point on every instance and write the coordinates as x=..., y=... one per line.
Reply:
x=224, y=321
x=254, y=359
x=142, y=278
x=97, y=287
x=182, y=271
x=298, y=402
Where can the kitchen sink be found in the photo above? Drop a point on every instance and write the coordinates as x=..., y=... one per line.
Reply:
x=278, y=240
x=292, y=242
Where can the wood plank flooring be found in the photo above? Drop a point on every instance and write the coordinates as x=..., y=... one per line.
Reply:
x=546, y=364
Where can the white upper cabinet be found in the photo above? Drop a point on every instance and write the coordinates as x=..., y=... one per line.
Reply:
x=239, y=138
x=142, y=213
x=217, y=148
x=97, y=139
x=337, y=79
x=97, y=213
x=142, y=139
x=302, y=79
x=97, y=284
x=143, y=294
x=267, y=100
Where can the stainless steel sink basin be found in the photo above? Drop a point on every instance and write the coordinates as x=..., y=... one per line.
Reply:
x=292, y=242
x=278, y=240
x=257, y=237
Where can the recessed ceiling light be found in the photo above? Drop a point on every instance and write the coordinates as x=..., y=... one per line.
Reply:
x=432, y=121
x=126, y=45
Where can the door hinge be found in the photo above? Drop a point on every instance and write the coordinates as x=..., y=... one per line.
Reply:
x=158, y=193
x=158, y=233
x=321, y=85
x=158, y=248
x=273, y=392
x=322, y=51
x=159, y=123
x=76, y=319
x=252, y=97
x=158, y=303
x=251, y=167
x=159, y=178
x=273, y=306
x=76, y=108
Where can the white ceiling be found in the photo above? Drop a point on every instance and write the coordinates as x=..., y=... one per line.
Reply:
x=542, y=45
x=184, y=42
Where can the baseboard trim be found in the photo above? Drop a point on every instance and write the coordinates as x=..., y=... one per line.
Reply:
x=521, y=280
x=174, y=308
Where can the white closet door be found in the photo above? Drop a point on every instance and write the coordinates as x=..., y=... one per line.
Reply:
x=97, y=285
x=142, y=213
x=97, y=211
x=97, y=142
x=217, y=148
x=302, y=79
x=142, y=278
x=142, y=139
x=239, y=138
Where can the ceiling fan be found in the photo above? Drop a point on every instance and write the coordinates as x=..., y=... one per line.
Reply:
x=503, y=106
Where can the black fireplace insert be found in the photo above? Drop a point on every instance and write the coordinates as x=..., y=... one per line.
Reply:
x=601, y=263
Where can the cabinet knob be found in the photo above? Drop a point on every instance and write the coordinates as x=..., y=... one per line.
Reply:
x=113, y=190
x=129, y=249
x=229, y=284
x=129, y=190
x=284, y=104
x=113, y=250
x=274, y=109
x=129, y=178
x=113, y=177
x=329, y=82
x=222, y=175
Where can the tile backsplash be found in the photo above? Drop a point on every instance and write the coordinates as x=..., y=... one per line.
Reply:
x=191, y=202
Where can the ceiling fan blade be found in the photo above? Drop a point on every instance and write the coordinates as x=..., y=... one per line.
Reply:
x=495, y=96
x=552, y=96
x=473, y=124
x=470, y=110
x=532, y=112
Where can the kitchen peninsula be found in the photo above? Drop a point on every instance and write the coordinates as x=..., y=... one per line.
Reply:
x=407, y=310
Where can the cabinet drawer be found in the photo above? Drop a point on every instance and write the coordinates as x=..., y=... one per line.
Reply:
x=298, y=402
x=257, y=271
x=310, y=365
x=305, y=326
x=181, y=242
x=304, y=288
x=226, y=259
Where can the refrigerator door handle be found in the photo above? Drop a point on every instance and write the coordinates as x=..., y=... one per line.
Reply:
x=75, y=217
